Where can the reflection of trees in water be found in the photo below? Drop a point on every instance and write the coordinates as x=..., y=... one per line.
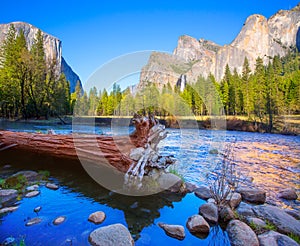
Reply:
x=217, y=237
x=139, y=212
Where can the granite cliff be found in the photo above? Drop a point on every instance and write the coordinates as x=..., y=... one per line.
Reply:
x=52, y=46
x=259, y=36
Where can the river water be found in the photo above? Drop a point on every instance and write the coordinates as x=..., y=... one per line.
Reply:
x=268, y=161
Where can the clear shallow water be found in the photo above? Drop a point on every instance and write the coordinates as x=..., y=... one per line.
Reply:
x=271, y=161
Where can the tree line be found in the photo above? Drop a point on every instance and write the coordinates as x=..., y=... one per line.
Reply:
x=29, y=85
x=268, y=91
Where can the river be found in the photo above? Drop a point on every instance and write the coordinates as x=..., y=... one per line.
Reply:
x=267, y=161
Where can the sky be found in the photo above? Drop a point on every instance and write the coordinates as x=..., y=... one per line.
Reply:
x=95, y=32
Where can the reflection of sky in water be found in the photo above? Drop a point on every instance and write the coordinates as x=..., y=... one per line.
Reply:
x=272, y=160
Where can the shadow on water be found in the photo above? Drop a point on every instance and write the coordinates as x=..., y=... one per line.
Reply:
x=139, y=212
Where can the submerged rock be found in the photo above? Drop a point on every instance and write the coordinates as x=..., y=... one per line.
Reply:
x=240, y=234
x=33, y=221
x=59, y=220
x=32, y=194
x=52, y=186
x=203, y=192
x=210, y=212
x=116, y=234
x=175, y=231
x=97, y=217
x=256, y=196
x=8, y=209
x=272, y=238
x=288, y=194
x=284, y=222
x=8, y=195
x=196, y=224
x=9, y=241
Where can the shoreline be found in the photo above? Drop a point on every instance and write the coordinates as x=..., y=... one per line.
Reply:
x=286, y=125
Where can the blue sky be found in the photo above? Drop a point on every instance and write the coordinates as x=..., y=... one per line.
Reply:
x=94, y=32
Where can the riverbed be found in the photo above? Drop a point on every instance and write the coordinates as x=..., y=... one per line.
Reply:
x=267, y=161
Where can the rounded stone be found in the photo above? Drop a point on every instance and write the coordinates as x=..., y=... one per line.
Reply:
x=37, y=209
x=116, y=234
x=34, y=221
x=51, y=186
x=97, y=217
x=196, y=224
x=59, y=220
x=175, y=231
x=32, y=194
x=210, y=212
x=240, y=234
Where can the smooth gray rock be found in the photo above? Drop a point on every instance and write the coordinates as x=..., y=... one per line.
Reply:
x=97, y=217
x=8, y=209
x=32, y=194
x=284, y=222
x=33, y=221
x=175, y=231
x=210, y=212
x=293, y=213
x=235, y=200
x=288, y=194
x=240, y=234
x=252, y=195
x=170, y=182
x=52, y=186
x=196, y=224
x=190, y=188
x=8, y=195
x=226, y=214
x=272, y=238
x=203, y=192
x=245, y=210
x=59, y=220
x=32, y=188
x=112, y=235
x=256, y=221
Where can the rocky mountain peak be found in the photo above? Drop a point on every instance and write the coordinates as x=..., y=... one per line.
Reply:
x=259, y=37
x=52, y=47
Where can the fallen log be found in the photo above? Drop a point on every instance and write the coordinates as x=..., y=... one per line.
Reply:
x=116, y=151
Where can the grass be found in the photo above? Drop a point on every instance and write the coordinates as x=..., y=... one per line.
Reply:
x=175, y=172
x=294, y=237
x=44, y=173
x=17, y=183
x=269, y=226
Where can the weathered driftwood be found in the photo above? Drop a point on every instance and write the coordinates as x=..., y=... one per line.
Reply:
x=149, y=133
x=96, y=148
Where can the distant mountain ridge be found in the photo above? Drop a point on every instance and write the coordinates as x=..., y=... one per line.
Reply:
x=259, y=36
x=52, y=47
